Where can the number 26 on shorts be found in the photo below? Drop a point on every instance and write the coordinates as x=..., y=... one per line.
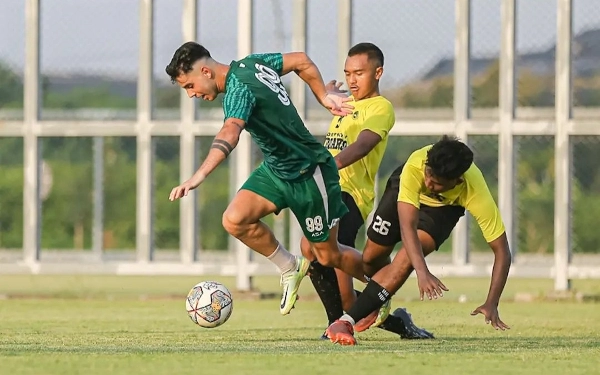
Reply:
x=381, y=226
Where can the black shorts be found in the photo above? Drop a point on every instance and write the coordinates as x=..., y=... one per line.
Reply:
x=438, y=222
x=350, y=223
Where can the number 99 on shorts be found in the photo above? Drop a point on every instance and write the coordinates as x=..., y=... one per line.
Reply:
x=314, y=224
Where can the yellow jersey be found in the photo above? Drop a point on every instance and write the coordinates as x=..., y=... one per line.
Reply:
x=473, y=194
x=358, y=179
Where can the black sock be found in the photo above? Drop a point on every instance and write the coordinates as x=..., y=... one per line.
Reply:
x=326, y=284
x=391, y=323
x=371, y=299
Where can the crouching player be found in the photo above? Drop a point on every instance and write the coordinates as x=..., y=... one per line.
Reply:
x=422, y=202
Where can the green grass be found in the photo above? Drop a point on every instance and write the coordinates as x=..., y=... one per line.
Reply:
x=126, y=325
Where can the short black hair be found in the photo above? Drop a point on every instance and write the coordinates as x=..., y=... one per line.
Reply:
x=449, y=158
x=371, y=50
x=184, y=59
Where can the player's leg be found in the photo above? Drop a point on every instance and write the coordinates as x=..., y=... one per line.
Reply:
x=259, y=197
x=378, y=291
x=383, y=232
x=334, y=287
x=382, y=235
x=348, y=229
x=435, y=226
x=317, y=204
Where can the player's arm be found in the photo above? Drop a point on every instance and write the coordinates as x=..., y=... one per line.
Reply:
x=502, y=260
x=366, y=141
x=482, y=207
x=408, y=215
x=411, y=180
x=299, y=63
x=225, y=141
x=237, y=105
x=378, y=122
x=307, y=70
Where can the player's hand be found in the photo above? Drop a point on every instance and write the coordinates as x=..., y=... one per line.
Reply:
x=334, y=87
x=183, y=189
x=337, y=104
x=490, y=312
x=430, y=285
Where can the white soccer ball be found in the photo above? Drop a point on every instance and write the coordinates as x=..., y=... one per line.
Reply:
x=209, y=304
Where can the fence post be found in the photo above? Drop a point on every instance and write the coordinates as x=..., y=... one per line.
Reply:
x=242, y=158
x=562, y=147
x=506, y=154
x=144, y=232
x=462, y=111
x=31, y=190
x=188, y=210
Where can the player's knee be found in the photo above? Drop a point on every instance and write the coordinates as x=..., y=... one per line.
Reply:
x=375, y=257
x=373, y=262
x=327, y=256
x=233, y=222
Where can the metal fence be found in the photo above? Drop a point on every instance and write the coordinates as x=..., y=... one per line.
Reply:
x=516, y=79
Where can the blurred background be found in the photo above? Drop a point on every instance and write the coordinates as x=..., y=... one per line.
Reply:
x=93, y=135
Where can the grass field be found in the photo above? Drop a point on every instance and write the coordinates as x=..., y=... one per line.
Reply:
x=138, y=325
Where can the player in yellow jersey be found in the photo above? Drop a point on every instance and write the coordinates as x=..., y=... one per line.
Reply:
x=422, y=202
x=358, y=142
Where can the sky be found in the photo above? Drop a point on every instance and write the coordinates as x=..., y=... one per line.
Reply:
x=101, y=36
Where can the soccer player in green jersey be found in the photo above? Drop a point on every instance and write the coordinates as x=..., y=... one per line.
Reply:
x=298, y=172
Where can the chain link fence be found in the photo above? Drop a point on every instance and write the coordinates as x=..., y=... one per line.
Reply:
x=534, y=194
x=535, y=62
x=484, y=63
x=119, y=194
x=12, y=57
x=586, y=53
x=167, y=39
x=417, y=39
x=93, y=75
x=321, y=46
x=218, y=32
x=89, y=75
x=586, y=194
x=11, y=193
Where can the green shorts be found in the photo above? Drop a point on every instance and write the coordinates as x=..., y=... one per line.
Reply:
x=316, y=201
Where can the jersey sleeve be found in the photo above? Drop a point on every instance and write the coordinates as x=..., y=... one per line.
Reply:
x=410, y=185
x=480, y=203
x=239, y=101
x=379, y=119
x=275, y=60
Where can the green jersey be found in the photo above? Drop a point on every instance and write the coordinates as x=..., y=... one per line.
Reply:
x=254, y=93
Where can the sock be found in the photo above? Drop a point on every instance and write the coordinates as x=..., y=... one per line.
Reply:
x=326, y=284
x=348, y=318
x=283, y=259
x=392, y=323
x=371, y=299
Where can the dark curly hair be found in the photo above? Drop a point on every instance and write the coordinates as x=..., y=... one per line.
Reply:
x=449, y=158
x=184, y=58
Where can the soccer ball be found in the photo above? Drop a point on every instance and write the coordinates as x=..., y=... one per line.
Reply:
x=209, y=304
